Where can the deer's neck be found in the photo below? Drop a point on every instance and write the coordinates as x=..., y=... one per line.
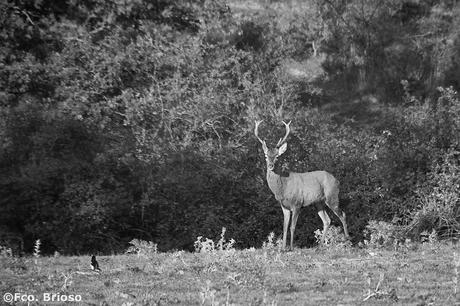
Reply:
x=276, y=184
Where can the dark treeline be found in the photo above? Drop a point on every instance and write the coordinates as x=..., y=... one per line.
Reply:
x=134, y=119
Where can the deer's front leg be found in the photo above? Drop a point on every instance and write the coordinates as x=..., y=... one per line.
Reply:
x=295, y=215
x=287, y=216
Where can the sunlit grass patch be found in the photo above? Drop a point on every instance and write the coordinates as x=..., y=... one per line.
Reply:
x=427, y=273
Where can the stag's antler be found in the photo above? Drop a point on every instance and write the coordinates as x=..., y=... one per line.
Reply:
x=288, y=130
x=256, y=131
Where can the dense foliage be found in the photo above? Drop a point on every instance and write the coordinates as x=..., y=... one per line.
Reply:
x=134, y=119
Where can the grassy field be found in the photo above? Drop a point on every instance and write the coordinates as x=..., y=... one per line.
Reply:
x=418, y=274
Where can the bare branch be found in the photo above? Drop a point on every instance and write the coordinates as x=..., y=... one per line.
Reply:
x=211, y=125
x=25, y=13
x=315, y=50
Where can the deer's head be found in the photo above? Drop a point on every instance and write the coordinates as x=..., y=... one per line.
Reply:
x=272, y=154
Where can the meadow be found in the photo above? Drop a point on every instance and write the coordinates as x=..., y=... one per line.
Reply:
x=217, y=274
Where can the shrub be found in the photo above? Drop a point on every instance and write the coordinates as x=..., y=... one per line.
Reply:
x=272, y=249
x=334, y=237
x=5, y=251
x=206, y=245
x=271, y=244
x=141, y=247
x=383, y=234
x=439, y=199
x=429, y=237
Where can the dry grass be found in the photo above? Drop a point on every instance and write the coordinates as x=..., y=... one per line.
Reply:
x=417, y=275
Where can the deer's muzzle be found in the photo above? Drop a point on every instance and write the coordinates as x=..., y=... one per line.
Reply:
x=270, y=166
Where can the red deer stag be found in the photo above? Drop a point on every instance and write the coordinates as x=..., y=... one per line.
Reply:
x=301, y=189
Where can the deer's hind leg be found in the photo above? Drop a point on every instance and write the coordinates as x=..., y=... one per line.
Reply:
x=333, y=203
x=325, y=218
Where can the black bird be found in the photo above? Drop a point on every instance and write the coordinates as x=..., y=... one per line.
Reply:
x=94, y=263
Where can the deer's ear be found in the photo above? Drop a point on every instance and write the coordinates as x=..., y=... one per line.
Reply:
x=282, y=149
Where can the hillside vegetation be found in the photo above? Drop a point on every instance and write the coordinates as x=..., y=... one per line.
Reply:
x=134, y=119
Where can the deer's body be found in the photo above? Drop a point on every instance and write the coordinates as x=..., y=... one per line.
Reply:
x=301, y=189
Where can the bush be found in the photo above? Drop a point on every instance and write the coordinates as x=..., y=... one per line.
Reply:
x=383, y=234
x=334, y=238
x=5, y=252
x=141, y=247
x=206, y=245
x=439, y=199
